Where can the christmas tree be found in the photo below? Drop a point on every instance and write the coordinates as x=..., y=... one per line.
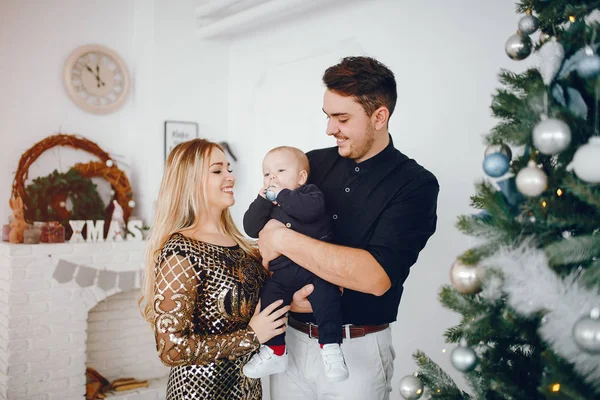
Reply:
x=529, y=291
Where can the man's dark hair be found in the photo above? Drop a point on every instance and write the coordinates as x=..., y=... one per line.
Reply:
x=370, y=82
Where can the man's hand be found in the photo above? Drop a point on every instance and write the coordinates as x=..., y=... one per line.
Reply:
x=266, y=241
x=300, y=303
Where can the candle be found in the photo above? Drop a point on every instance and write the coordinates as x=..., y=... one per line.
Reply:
x=5, y=232
x=32, y=235
x=55, y=232
x=41, y=225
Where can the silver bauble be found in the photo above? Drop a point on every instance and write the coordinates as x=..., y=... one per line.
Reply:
x=411, y=387
x=589, y=66
x=551, y=58
x=528, y=24
x=586, y=332
x=518, y=47
x=499, y=148
x=466, y=279
x=464, y=358
x=531, y=180
x=586, y=161
x=551, y=136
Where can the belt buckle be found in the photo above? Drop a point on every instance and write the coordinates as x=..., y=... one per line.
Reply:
x=347, y=331
x=310, y=325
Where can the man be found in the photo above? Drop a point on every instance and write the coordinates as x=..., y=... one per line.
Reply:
x=383, y=210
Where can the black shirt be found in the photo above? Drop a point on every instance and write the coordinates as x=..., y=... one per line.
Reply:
x=385, y=205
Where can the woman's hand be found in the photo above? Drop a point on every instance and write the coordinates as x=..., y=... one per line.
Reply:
x=300, y=303
x=267, y=323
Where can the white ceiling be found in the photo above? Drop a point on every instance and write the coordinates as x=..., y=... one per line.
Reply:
x=228, y=18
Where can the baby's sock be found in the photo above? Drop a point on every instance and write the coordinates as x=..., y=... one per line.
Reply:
x=279, y=350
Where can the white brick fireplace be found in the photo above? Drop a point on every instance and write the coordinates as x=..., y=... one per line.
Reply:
x=65, y=307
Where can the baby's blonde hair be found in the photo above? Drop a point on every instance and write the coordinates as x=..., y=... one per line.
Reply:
x=299, y=154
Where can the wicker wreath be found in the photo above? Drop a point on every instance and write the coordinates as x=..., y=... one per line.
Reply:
x=115, y=177
x=112, y=174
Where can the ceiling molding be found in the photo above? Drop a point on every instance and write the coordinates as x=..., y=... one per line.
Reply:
x=227, y=18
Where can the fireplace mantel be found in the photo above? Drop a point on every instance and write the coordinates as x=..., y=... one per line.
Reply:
x=44, y=321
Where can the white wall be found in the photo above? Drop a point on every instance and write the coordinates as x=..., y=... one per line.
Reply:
x=174, y=77
x=446, y=56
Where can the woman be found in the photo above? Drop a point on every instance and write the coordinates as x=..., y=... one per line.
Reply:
x=203, y=280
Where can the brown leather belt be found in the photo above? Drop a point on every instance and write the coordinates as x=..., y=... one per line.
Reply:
x=354, y=331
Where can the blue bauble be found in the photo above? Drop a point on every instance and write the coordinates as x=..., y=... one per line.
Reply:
x=271, y=195
x=496, y=164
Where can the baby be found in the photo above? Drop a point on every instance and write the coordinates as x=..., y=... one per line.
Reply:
x=286, y=197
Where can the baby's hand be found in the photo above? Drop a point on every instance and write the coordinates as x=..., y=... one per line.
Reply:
x=263, y=192
x=272, y=191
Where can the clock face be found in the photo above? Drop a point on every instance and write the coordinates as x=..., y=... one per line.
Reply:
x=96, y=79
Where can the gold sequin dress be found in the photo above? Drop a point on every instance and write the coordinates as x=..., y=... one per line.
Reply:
x=204, y=298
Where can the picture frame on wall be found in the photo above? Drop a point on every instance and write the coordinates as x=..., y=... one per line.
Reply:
x=177, y=132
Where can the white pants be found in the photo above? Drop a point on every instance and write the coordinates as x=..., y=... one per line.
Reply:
x=370, y=361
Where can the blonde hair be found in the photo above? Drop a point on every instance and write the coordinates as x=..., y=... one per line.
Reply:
x=299, y=154
x=180, y=200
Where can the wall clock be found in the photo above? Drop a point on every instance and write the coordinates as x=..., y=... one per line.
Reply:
x=96, y=79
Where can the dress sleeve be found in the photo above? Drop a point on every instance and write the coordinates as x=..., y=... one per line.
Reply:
x=175, y=295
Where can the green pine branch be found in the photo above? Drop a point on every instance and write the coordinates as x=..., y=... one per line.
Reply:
x=474, y=255
x=583, y=191
x=491, y=200
x=479, y=227
x=578, y=249
x=520, y=82
x=439, y=384
x=559, y=372
x=509, y=132
x=591, y=276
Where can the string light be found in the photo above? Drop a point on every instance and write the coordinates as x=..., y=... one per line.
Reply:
x=572, y=18
x=559, y=192
x=419, y=391
x=544, y=204
x=444, y=350
x=556, y=387
x=438, y=390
